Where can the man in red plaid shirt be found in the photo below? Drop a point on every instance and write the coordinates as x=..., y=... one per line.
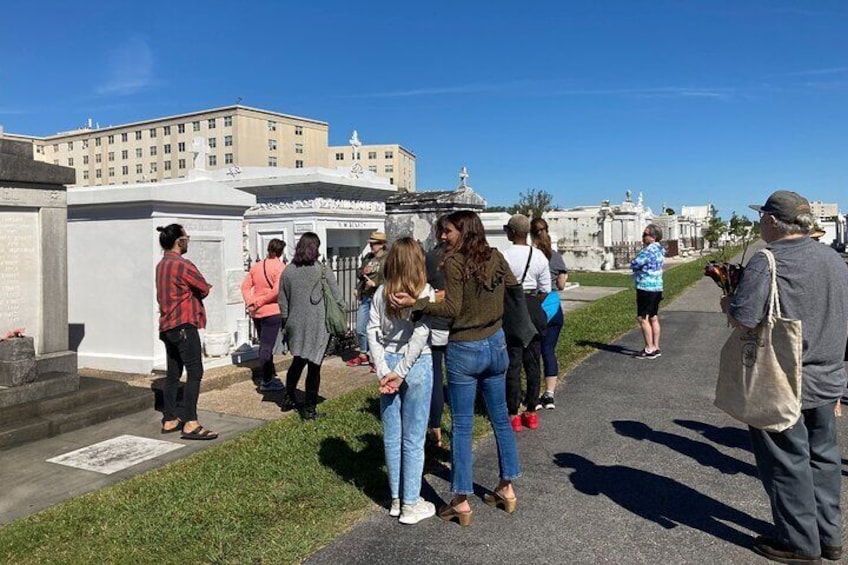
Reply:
x=180, y=289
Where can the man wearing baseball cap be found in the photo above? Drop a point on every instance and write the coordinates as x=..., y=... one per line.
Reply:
x=801, y=467
x=369, y=277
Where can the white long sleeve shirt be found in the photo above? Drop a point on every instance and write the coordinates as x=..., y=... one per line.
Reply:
x=397, y=335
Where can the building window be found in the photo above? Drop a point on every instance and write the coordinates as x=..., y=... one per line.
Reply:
x=152, y=150
x=85, y=175
x=298, y=148
x=111, y=171
x=298, y=164
x=98, y=173
x=372, y=154
x=110, y=140
x=70, y=161
x=181, y=163
x=213, y=160
x=372, y=168
x=389, y=155
x=138, y=152
x=84, y=144
x=211, y=123
x=139, y=168
x=70, y=146
x=272, y=125
x=55, y=147
x=181, y=146
x=166, y=130
x=228, y=121
x=228, y=141
x=195, y=126
x=339, y=156
x=98, y=158
x=153, y=167
x=213, y=142
x=124, y=136
x=180, y=128
x=125, y=170
x=272, y=161
x=111, y=156
x=152, y=133
x=138, y=135
x=389, y=168
x=228, y=158
x=85, y=159
x=167, y=148
x=97, y=141
x=391, y=180
x=167, y=165
x=298, y=130
x=272, y=144
x=124, y=154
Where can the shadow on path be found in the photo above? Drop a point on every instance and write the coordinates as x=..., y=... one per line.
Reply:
x=611, y=347
x=706, y=455
x=661, y=500
x=728, y=436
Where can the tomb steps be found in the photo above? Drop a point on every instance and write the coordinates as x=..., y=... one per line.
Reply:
x=97, y=400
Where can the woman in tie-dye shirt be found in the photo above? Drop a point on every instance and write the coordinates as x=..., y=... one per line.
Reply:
x=648, y=271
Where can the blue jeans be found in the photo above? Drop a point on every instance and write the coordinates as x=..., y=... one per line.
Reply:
x=362, y=316
x=404, y=415
x=470, y=363
x=549, y=343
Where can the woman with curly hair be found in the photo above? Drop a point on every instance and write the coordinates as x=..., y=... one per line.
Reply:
x=476, y=278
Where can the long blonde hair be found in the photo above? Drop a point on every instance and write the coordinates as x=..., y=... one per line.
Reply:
x=403, y=271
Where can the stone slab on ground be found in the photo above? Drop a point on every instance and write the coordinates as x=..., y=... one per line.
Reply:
x=31, y=484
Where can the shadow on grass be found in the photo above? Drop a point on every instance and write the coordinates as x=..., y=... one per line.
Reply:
x=360, y=467
x=706, y=455
x=661, y=500
x=611, y=347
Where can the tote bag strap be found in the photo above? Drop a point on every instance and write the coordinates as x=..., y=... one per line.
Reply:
x=774, y=295
x=527, y=266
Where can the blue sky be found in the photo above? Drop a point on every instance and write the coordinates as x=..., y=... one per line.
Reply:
x=688, y=101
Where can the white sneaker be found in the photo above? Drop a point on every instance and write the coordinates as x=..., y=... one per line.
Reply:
x=394, y=511
x=414, y=513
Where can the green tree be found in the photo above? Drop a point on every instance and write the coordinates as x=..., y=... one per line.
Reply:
x=533, y=203
x=670, y=212
x=738, y=226
x=497, y=209
x=716, y=227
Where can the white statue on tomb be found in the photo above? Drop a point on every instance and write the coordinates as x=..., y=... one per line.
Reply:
x=200, y=150
x=463, y=177
x=355, y=144
x=640, y=201
x=628, y=196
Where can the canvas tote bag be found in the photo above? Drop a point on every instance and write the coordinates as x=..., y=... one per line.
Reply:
x=759, y=381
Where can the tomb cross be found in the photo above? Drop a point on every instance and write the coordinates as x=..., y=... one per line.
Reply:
x=463, y=176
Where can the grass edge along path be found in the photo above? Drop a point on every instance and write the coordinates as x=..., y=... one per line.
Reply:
x=271, y=495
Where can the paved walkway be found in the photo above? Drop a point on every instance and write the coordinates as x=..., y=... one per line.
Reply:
x=634, y=466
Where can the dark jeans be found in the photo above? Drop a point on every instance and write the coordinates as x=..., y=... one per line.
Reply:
x=182, y=349
x=529, y=357
x=313, y=380
x=267, y=329
x=801, y=470
x=549, y=342
x=437, y=397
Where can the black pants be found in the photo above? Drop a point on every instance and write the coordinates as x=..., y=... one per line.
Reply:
x=182, y=349
x=267, y=329
x=528, y=357
x=437, y=398
x=313, y=380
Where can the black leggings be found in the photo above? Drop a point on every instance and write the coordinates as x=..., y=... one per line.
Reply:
x=437, y=398
x=313, y=380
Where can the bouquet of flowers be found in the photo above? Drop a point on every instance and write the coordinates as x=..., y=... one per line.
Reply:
x=726, y=275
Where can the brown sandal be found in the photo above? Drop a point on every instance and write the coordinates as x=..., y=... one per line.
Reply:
x=199, y=433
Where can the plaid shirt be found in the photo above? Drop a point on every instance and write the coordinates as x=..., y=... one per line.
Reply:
x=179, y=290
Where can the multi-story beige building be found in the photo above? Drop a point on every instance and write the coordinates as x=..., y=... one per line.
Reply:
x=390, y=161
x=161, y=148
x=821, y=210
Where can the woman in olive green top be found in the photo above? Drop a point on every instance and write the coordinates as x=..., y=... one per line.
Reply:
x=476, y=277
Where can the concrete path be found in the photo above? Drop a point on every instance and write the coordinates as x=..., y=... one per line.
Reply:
x=634, y=466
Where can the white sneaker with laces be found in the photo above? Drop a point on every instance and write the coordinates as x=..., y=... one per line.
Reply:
x=414, y=513
x=394, y=511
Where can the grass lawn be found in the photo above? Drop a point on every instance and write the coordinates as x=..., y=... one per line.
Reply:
x=272, y=495
x=586, y=278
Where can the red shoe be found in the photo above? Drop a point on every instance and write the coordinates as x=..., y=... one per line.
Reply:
x=530, y=420
x=357, y=361
x=516, y=423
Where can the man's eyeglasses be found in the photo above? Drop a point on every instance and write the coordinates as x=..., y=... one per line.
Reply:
x=184, y=238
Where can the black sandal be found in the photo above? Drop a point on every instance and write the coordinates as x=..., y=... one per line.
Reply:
x=199, y=433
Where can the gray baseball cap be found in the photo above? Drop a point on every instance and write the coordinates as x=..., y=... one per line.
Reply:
x=784, y=205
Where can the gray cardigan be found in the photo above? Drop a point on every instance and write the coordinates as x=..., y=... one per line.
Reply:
x=302, y=307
